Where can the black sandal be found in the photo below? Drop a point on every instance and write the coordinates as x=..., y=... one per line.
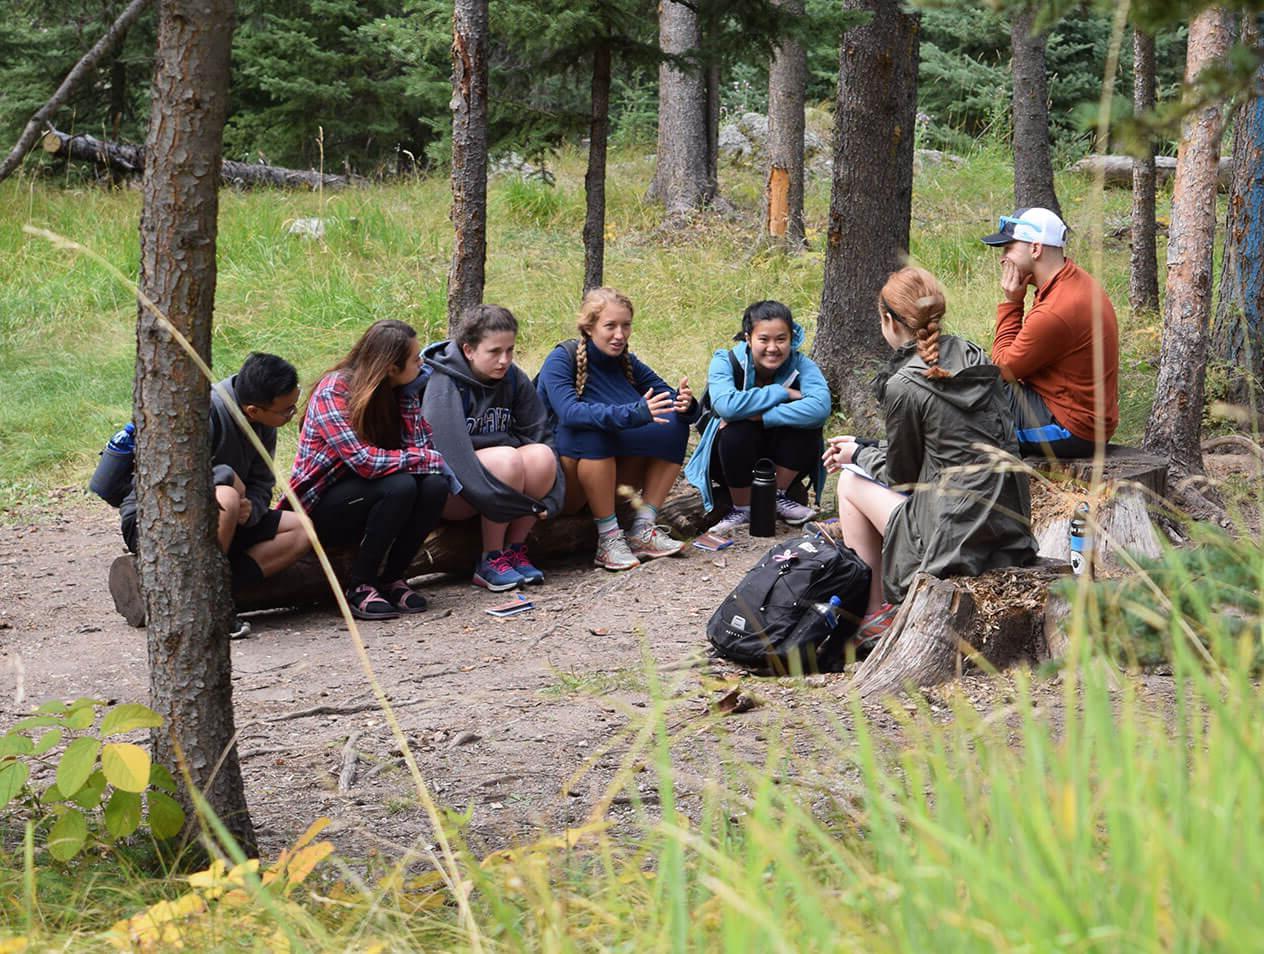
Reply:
x=367, y=603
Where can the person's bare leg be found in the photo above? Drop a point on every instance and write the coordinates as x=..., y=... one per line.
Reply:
x=597, y=479
x=539, y=467
x=864, y=507
x=575, y=497
x=505, y=465
x=229, y=502
x=288, y=545
x=785, y=477
x=660, y=475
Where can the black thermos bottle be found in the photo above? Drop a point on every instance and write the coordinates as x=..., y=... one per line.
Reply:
x=763, y=517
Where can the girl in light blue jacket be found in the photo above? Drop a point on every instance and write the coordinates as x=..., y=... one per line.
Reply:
x=768, y=400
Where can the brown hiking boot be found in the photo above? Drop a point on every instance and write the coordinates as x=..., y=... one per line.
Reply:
x=125, y=588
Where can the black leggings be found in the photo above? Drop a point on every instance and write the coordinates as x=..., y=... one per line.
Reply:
x=395, y=513
x=740, y=444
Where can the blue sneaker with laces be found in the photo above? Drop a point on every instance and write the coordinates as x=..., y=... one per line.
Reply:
x=496, y=572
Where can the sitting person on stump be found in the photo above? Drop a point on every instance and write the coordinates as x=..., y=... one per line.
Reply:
x=1063, y=404
x=366, y=471
x=928, y=499
x=258, y=541
x=769, y=401
x=618, y=424
x=492, y=429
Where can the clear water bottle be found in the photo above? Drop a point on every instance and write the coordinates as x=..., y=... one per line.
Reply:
x=763, y=515
x=1081, y=541
x=112, y=480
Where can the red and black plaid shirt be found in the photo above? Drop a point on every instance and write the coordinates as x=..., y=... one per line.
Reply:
x=329, y=449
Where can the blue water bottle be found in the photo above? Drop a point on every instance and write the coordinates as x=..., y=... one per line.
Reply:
x=112, y=480
x=1081, y=542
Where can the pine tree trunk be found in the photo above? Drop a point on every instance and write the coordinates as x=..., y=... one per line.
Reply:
x=783, y=192
x=871, y=197
x=84, y=68
x=469, y=157
x=1237, y=337
x=595, y=178
x=681, y=180
x=713, y=131
x=1175, y=423
x=183, y=575
x=1143, y=282
x=1033, y=167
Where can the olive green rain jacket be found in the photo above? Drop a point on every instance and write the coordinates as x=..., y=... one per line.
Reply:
x=964, y=514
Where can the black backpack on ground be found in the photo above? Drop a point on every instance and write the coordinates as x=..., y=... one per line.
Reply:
x=768, y=624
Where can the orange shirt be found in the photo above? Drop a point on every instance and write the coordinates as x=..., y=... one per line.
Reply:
x=1051, y=349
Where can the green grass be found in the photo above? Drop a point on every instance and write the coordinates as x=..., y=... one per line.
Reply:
x=66, y=327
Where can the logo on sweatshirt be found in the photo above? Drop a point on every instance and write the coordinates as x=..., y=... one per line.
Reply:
x=493, y=420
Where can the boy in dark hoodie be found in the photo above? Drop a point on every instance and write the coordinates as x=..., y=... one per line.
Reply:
x=257, y=540
x=493, y=431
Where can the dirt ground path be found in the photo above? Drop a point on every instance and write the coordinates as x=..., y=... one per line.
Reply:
x=501, y=713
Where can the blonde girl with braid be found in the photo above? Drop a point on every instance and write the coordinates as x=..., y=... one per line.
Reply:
x=617, y=424
x=930, y=498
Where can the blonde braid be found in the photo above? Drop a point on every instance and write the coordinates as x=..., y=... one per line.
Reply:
x=627, y=368
x=581, y=365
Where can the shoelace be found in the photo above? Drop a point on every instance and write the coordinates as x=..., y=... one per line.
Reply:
x=517, y=558
x=502, y=563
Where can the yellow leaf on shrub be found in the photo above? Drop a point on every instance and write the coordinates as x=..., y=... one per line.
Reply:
x=314, y=829
x=126, y=766
x=302, y=863
x=12, y=945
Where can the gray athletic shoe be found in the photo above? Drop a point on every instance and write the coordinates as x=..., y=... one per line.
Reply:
x=736, y=517
x=651, y=543
x=793, y=512
x=613, y=552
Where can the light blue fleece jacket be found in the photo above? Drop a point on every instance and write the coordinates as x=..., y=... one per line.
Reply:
x=733, y=403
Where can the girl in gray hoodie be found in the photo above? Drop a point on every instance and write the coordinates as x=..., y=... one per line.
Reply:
x=493, y=431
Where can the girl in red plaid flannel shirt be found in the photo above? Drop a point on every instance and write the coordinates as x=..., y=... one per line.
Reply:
x=366, y=470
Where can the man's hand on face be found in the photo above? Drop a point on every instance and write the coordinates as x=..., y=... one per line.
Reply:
x=1013, y=282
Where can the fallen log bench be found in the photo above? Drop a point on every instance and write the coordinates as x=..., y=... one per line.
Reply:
x=455, y=547
x=1130, y=483
x=1003, y=618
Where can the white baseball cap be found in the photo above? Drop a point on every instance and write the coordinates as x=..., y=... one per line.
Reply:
x=1029, y=225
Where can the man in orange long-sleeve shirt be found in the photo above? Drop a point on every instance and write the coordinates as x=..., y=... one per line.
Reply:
x=1065, y=388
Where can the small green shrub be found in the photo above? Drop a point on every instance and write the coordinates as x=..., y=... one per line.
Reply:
x=530, y=202
x=98, y=783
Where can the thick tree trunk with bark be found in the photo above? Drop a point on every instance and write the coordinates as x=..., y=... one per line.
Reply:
x=126, y=160
x=182, y=572
x=783, y=192
x=871, y=198
x=595, y=177
x=1143, y=282
x=713, y=131
x=1175, y=424
x=1033, y=166
x=469, y=157
x=1237, y=338
x=100, y=50
x=681, y=178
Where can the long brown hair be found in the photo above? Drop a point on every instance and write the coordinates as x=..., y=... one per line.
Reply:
x=913, y=297
x=590, y=310
x=373, y=405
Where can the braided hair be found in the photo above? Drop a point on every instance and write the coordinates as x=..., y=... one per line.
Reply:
x=913, y=297
x=590, y=310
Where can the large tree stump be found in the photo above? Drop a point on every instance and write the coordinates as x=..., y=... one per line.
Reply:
x=1001, y=618
x=1132, y=482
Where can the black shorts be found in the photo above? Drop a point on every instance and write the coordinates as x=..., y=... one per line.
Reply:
x=243, y=539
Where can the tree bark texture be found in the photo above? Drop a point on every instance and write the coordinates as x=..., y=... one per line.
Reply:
x=681, y=178
x=871, y=197
x=127, y=160
x=469, y=157
x=595, y=177
x=1033, y=165
x=1143, y=281
x=1175, y=423
x=713, y=130
x=81, y=70
x=183, y=575
x=1237, y=338
x=783, y=193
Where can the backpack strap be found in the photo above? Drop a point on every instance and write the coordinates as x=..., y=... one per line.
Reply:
x=739, y=373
